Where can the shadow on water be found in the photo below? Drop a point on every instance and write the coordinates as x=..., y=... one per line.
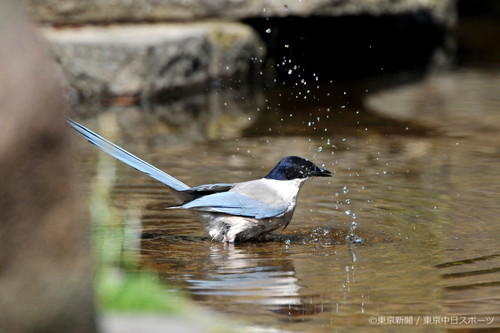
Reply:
x=406, y=228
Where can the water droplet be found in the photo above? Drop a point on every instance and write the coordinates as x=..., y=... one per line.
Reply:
x=268, y=30
x=319, y=149
x=357, y=239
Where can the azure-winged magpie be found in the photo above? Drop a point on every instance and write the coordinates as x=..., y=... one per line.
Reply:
x=231, y=212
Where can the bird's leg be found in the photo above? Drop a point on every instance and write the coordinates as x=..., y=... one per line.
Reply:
x=229, y=236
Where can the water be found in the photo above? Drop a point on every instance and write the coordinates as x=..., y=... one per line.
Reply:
x=406, y=232
x=408, y=227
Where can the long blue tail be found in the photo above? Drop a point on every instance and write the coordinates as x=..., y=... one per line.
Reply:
x=127, y=158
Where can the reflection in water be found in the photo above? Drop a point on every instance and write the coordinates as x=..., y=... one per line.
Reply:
x=241, y=278
x=202, y=116
x=422, y=202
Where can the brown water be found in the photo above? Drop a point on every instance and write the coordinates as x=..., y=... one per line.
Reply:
x=406, y=230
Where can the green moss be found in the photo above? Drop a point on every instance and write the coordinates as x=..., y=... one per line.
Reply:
x=135, y=292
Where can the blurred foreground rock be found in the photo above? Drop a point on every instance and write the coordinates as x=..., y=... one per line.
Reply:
x=45, y=266
x=133, y=60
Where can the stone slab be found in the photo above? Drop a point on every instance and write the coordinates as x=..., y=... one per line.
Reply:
x=91, y=11
x=124, y=60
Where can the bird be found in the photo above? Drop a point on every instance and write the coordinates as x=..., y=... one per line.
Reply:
x=231, y=212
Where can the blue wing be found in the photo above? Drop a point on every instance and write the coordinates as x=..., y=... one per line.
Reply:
x=128, y=158
x=235, y=204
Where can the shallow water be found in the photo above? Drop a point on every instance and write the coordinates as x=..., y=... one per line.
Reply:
x=406, y=229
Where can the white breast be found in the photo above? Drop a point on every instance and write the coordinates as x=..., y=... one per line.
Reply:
x=271, y=191
x=276, y=193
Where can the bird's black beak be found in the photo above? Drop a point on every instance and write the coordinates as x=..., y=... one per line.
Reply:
x=319, y=172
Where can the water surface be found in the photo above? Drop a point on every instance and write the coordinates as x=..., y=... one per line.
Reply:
x=408, y=227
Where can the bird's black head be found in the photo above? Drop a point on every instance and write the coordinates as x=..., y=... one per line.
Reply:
x=294, y=167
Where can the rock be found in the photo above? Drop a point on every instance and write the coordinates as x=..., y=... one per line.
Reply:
x=90, y=11
x=456, y=104
x=46, y=270
x=121, y=60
